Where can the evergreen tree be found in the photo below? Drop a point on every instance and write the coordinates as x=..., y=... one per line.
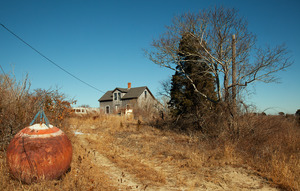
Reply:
x=185, y=102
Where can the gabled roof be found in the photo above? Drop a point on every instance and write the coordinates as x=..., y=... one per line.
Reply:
x=134, y=92
x=123, y=90
x=108, y=96
x=131, y=93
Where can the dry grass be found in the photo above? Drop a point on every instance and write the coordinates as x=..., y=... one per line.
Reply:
x=271, y=145
x=151, y=158
x=156, y=156
x=109, y=128
x=18, y=106
x=148, y=153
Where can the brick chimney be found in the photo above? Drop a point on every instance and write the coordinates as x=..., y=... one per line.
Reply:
x=129, y=85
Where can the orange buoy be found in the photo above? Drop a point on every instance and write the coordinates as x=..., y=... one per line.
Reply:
x=39, y=152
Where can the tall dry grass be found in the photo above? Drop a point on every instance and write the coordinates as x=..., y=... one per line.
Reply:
x=16, y=109
x=267, y=144
x=19, y=105
x=138, y=148
x=271, y=145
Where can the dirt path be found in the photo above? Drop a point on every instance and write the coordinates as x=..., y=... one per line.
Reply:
x=230, y=178
x=174, y=177
x=119, y=177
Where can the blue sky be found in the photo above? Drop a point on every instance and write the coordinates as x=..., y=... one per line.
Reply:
x=101, y=42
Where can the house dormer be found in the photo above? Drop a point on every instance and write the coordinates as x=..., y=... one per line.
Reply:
x=117, y=95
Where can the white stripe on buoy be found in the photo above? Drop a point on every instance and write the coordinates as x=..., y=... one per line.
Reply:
x=38, y=126
x=57, y=133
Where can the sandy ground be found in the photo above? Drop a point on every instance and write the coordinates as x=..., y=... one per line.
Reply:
x=224, y=177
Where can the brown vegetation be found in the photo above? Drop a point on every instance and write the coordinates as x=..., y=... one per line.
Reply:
x=16, y=109
x=270, y=144
x=18, y=106
x=116, y=153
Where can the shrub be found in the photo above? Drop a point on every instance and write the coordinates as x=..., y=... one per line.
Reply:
x=18, y=106
x=16, y=109
x=54, y=103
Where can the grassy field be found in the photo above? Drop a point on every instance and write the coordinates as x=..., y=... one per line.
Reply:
x=113, y=153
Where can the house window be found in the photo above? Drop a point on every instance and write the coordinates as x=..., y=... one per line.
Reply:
x=119, y=96
x=145, y=94
x=115, y=96
x=107, y=110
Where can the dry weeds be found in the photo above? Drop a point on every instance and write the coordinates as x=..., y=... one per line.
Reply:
x=114, y=153
x=271, y=145
x=160, y=159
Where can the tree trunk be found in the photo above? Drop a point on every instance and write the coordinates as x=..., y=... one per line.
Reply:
x=234, y=107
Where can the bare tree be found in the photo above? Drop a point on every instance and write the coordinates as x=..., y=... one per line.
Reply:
x=214, y=29
x=165, y=88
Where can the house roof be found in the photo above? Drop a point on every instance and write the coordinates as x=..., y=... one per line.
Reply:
x=123, y=90
x=131, y=93
x=108, y=96
x=134, y=92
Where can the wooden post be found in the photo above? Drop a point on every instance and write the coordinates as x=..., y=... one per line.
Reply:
x=234, y=106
